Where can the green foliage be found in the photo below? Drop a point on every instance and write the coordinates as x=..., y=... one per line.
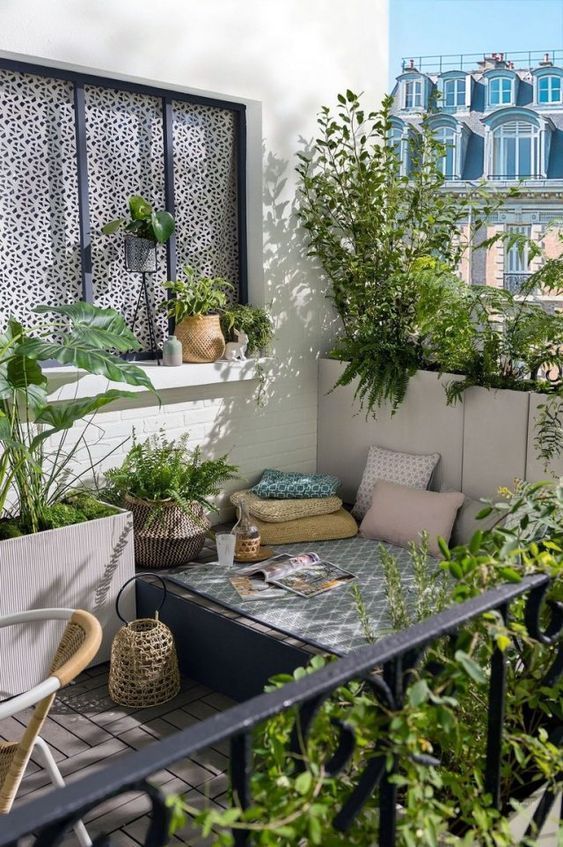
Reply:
x=145, y=222
x=159, y=469
x=437, y=737
x=370, y=226
x=548, y=434
x=76, y=508
x=253, y=320
x=196, y=295
x=41, y=476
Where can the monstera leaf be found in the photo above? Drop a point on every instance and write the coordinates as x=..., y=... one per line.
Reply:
x=87, y=359
x=102, y=328
x=60, y=416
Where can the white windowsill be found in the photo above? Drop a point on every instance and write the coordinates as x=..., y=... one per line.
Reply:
x=68, y=382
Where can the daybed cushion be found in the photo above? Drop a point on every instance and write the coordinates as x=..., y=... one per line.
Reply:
x=398, y=515
x=292, y=485
x=340, y=524
x=466, y=523
x=410, y=469
x=277, y=511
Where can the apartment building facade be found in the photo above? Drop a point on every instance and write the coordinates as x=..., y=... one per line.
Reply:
x=500, y=119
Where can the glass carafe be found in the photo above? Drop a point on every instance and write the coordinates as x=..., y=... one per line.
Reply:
x=247, y=544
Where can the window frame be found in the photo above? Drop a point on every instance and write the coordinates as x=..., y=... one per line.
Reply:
x=501, y=137
x=460, y=87
x=549, y=78
x=500, y=80
x=417, y=94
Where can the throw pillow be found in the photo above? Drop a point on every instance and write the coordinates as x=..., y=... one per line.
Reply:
x=340, y=524
x=403, y=468
x=276, y=511
x=398, y=515
x=292, y=485
x=466, y=524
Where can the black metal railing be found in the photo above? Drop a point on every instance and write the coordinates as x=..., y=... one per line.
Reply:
x=50, y=816
x=513, y=282
x=470, y=61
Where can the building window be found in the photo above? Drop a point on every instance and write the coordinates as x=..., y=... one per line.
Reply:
x=517, y=260
x=549, y=89
x=515, y=152
x=413, y=94
x=454, y=93
x=446, y=136
x=500, y=91
x=394, y=139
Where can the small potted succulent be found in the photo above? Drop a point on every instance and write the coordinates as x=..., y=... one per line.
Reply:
x=144, y=231
x=254, y=321
x=195, y=308
x=167, y=487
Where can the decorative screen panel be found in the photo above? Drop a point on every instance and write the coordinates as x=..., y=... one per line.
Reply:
x=39, y=231
x=125, y=156
x=205, y=187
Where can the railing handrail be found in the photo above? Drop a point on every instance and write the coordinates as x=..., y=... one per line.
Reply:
x=132, y=768
x=458, y=61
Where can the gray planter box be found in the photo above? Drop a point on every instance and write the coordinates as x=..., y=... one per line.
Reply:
x=78, y=567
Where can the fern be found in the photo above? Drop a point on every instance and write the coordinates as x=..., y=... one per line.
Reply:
x=548, y=435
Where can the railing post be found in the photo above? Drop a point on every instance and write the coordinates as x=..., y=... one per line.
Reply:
x=495, y=719
x=392, y=673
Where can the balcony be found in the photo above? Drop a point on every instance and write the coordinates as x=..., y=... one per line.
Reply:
x=513, y=282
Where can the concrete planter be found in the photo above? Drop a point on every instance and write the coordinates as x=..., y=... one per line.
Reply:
x=484, y=442
x=81, y=566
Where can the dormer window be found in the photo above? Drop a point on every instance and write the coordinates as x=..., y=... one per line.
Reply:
x=413, y=94
x=447, y=137
x=500, y=91
x=549, y=89
x=454, y=93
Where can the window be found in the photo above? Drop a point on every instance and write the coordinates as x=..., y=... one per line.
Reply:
x=394, y=139
x=446, y=135
x=515, y=151
x=500, y=91
x=516, y=259
x=454, y=93
x=549, y=89
x=413, y=94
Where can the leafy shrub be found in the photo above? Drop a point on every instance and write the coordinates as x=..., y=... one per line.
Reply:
x=253, y=320
x=196, y=295
x=160, y=469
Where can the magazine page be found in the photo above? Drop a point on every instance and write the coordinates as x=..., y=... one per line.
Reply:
x=314, y=578
x=278, y=566
x=249, y=588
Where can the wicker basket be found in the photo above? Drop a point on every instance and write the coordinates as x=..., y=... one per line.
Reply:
x=201, y=337
x=165, y=535
x=144, y=665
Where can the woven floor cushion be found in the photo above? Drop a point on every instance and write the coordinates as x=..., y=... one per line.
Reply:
x=339, y=524
x=277, y=511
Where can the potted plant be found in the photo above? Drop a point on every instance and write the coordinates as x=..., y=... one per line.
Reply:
x=167, y=487
x=56, y=548
x=195, y=306
x=144, y=229
x=254, y=321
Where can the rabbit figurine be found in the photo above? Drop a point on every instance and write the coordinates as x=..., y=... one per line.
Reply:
x=236, y=349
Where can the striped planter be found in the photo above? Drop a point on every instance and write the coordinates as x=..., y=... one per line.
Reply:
x=80, y=567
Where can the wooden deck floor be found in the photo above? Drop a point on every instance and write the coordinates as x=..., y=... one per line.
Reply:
x=86, y=731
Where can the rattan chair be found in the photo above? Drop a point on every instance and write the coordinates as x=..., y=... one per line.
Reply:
x=79, y=644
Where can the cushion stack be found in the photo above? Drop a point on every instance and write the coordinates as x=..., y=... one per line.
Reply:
x=290, y=507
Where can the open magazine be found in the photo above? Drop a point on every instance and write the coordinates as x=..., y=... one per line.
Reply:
x=306, y=575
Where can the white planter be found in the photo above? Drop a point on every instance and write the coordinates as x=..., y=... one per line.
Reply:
x=484, y=442
x=81, y=567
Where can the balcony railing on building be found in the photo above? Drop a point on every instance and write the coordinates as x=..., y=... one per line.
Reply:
x=514, y=281
x=472, y=61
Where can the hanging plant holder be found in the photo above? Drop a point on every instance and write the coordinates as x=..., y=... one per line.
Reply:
x=140, y=255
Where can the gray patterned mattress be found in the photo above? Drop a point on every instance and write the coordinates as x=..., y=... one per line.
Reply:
x=329, y=620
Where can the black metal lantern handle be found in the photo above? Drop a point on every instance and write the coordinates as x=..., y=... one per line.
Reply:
x=132, y=579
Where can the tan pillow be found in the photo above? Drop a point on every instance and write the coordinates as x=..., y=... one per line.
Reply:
x=398, y=514
x=340, y=524
x=276, y=511
x=466, y=524
x=412, y=469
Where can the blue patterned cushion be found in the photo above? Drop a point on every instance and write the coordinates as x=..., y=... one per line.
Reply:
x=289, y=485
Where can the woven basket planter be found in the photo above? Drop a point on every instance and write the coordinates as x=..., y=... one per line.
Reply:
x=165, y=535
x=201, y=338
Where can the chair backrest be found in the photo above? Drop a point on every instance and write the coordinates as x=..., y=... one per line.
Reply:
x=79, y=644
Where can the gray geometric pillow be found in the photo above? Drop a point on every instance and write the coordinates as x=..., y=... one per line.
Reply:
x=409, y=469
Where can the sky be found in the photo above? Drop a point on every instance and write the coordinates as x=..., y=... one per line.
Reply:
x=437, y=27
